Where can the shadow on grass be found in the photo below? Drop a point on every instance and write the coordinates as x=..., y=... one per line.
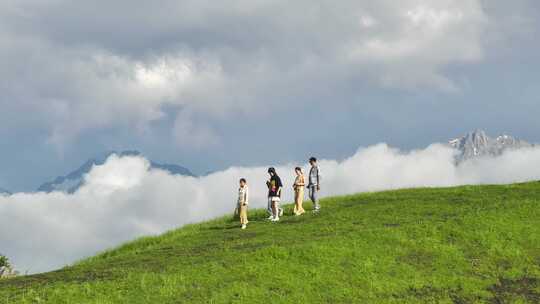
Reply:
x=509, y=291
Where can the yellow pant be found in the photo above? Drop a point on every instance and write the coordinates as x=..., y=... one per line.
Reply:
x=299, y=200
x=243, y=214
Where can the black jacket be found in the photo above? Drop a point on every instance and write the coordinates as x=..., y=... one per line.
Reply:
x=273, y=186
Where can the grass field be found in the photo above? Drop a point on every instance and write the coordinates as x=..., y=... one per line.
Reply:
x=473, y=244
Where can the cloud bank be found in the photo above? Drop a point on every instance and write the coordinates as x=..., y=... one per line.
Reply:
x=124, y=198
x=75, y=73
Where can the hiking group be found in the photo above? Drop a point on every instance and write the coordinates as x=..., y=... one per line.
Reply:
x=275, y=187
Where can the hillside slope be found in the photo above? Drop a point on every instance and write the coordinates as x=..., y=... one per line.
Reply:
x=473, y=244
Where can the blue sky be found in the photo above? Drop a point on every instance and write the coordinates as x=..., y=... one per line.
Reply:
x=209, y=85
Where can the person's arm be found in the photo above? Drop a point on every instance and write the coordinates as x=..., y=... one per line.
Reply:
x=279, y=186
x=302, y=181
x=318, y=178
x=246, y=197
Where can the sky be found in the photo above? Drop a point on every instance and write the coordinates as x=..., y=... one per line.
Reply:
x=244, y=83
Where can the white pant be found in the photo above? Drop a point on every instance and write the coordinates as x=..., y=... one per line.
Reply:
x=275, y=200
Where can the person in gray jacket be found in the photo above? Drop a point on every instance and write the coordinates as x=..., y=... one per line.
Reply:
x=314, y=183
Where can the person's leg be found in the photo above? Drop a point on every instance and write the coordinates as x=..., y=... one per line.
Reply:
x=243, y=215
x=275, y=211
x=316, y=199
x=296, y=202
x=269, y=209
x=311, y=189
x=300, y=201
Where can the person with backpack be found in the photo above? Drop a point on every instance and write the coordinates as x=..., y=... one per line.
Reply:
x=243, y=202
x=274, y=195
x=314, y=183
x=299, y=184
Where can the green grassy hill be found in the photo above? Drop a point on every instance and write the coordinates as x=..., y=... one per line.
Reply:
x=474, y=244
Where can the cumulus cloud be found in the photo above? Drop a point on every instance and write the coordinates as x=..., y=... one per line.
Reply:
x=74, y=74
x=124, y=198
x=192, y=135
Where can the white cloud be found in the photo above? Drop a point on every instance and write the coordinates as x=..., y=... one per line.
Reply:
x=82, y=75
x=419, y=39
x=190, y=135
x=123, y=199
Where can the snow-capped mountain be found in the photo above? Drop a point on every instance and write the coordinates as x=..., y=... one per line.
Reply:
x=72, y=181
x=4, y=192
x=478, y=143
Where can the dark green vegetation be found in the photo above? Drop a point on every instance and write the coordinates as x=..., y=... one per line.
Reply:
x=4, y=262
x=474, y=244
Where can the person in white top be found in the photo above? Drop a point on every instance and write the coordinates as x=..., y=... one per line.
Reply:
x=243, y=202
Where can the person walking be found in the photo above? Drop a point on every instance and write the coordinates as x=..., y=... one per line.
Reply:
x=314, y=184
x=298, y=187
x=274, y=195
x=243, y=202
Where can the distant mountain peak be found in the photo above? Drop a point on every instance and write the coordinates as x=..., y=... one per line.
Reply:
x=4, y=192
x=73, y=181
x=478, y=143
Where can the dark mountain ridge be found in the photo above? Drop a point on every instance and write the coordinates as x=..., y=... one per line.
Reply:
x=72, y=181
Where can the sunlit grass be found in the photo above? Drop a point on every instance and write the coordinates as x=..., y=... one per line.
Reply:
x=474, y=244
